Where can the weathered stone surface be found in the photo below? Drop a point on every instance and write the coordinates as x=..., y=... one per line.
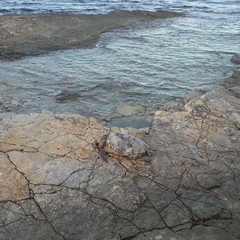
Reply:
x=55, y=185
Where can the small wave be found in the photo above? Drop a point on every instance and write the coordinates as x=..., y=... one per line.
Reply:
x=23, y=10
x=194, y=7
x=4, y=11
x=30, y=3
x=91, y=10
x=187, y=6
x=228, y=12
x=111, y=85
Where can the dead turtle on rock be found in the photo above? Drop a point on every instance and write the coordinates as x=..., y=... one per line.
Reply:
x=120, y=145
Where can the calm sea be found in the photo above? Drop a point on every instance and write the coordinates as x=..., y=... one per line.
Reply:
x=149, y=63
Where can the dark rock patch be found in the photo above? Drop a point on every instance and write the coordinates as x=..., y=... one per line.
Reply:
x=66, y=96
x=236, y=58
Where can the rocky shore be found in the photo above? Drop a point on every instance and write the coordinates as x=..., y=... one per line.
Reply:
x=66, y=176
x=69, y=177
x=33, y=34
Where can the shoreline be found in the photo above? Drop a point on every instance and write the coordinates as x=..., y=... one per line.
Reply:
x=128, y=115
x=60, y=179
x=33, y=34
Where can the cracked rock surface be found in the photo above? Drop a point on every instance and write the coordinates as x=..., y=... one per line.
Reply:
x=55, y=185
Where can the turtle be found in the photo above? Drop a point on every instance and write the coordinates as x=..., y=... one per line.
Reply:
x=120, y=145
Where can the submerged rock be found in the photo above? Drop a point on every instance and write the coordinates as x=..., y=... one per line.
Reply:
x=127, y=110
x=130, y=115
x=236, y=58
x=66, y=96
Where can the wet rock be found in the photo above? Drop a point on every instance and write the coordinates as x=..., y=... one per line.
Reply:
x=9, y=106
x=66, y=96
x=27, y=34
x=128, y=110
x=194, y=94
x=232, y=81
x=173, y=106
x=129, y=115
x=236, y=58
x=133, y=121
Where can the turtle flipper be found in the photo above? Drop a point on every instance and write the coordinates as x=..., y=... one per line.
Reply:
x=103, y=155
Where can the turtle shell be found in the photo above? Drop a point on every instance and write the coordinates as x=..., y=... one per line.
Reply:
x=125, y=145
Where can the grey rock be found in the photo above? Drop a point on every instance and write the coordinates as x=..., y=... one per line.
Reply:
x=194, y=94
x=173, y=106
x=233, y=81
x=236, y=58
x=66, y=96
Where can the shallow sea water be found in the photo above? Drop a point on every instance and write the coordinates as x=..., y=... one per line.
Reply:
x=149, y=63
